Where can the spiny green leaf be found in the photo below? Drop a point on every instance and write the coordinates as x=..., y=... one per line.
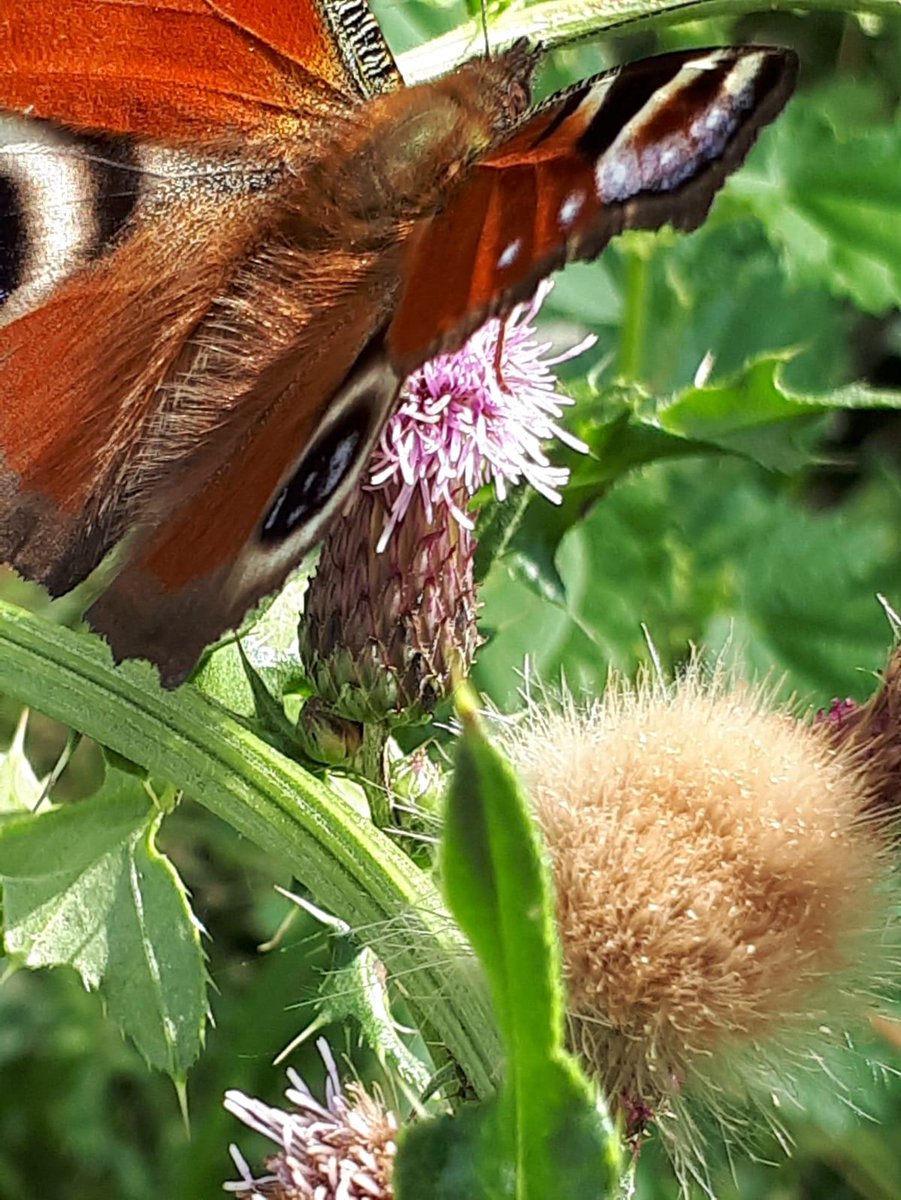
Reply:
x=754, y=413
x=352, y=869
x=358, y=990
x=85, y=886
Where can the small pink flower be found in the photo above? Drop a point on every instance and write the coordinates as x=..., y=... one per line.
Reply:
x=837, y=713
x=463, y=422
x=341, y=1150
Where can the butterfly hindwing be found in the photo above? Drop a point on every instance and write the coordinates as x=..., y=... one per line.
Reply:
x=202, y=568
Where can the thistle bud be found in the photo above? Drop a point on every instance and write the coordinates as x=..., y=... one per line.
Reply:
x=325, y=737
x=384, y=634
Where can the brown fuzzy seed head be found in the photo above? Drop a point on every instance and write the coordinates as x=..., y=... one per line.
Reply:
x=717, y=887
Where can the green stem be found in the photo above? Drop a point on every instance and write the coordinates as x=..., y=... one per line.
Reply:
x=353, y=870
x=562, y=22
x=370, y=764
x=635, y=310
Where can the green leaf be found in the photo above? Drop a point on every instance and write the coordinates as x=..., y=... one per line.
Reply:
x=85, y=886
x=20, y=788
x=754, y=413
x=714, y=554
x=830, y=196
x=618, y=440
x=544, y=1136
x=757, y=415
x=722, y=291
x=559, y=22
x=357, y=989
x=805, y=599
x=497, y=524
x=354, y=871
x=265, y=649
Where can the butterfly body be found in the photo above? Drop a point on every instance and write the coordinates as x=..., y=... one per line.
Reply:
x=210, y=294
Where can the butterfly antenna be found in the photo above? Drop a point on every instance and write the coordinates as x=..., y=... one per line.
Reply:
x=484, y=7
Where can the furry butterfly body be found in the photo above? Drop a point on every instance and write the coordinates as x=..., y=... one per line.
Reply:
x=227, y=232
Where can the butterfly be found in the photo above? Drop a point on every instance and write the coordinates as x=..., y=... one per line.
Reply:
x=228, y=232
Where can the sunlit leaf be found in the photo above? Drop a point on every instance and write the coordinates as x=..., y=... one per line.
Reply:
x=85, y=886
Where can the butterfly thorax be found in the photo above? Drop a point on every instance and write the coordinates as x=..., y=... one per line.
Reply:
x=410, y=148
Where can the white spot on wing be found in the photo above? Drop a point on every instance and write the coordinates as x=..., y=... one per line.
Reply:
x=570, y=208
x=664, y=164
x=509, y=254
x=618, y=174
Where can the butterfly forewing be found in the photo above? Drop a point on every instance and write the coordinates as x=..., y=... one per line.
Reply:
x=646, y=145
x=189, y=71
x=117, y=252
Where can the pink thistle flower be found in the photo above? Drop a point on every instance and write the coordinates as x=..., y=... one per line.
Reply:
x=341, y=1150
x=391, y=614
x=476, y=416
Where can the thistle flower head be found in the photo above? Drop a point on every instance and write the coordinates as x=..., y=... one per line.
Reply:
x=476, y=416
x=341, y=1150
x=872, y=731
x=722, y=891
x=391, y=612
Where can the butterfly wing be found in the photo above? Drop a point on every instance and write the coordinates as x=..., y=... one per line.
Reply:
x=82, y=379
x=647, y=145
x=266, y=503
x=188, y=70
x=191, y=367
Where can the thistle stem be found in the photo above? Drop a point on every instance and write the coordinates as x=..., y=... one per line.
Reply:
x=635, y=309
x=355, y=871
x=371, y=776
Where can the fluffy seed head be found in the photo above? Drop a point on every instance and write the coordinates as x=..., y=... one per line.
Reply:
x=721, y=892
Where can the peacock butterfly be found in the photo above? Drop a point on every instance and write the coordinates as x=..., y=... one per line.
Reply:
x=228, y=232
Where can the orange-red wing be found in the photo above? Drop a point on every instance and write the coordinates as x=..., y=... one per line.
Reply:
x=338, y=41
x=172, y=70
x=79, y=382
x=638, y=148
x=206, y=558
